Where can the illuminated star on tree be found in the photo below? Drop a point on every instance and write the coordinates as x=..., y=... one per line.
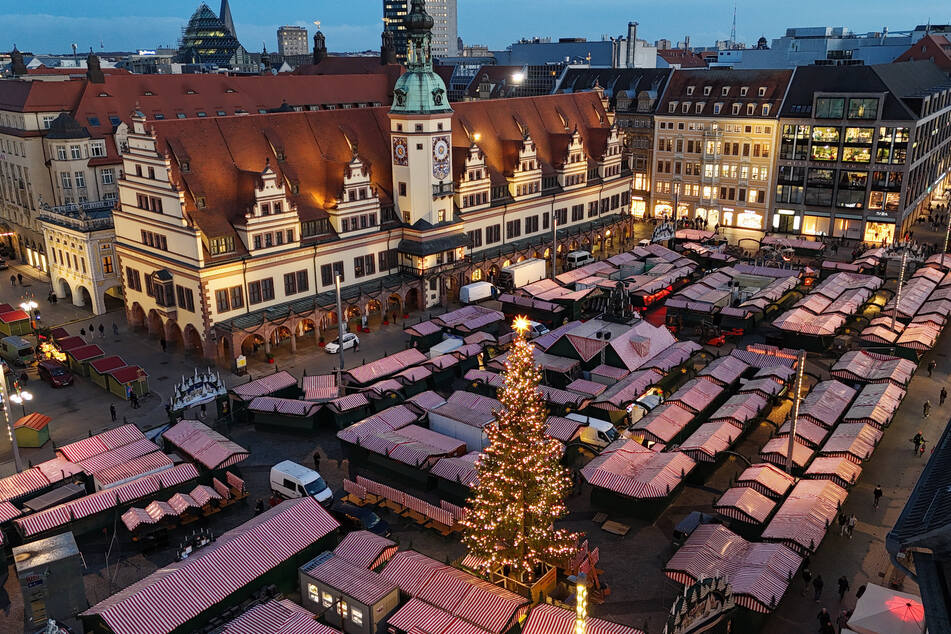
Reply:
x=522, y=485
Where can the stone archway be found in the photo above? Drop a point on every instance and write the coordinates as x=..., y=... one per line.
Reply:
x=225, y=355
x=155, y=326
x=82, y=297
x=412, y=300
x=253, y=344
x=394, y=307
x=374, y=313
x=63, y=290
x=173, y=335
x=136, y=316
x=192, y=341
x=113, y=297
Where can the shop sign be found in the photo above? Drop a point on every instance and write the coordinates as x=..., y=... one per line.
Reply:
x=662, y=232
x=241, y=362
x=702, y=607
x=883, y=214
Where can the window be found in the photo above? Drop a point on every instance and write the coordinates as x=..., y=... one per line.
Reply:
x=706, y=91
x=326, y=599
x=218, y=246
x=493, y=233
x=744, y=90
x=765, y=109
x=689, y=90
x=107, y=267
x=736, y=108
x=97, y=149
x=254, y=293
x=725, y=91
x=356, y=615
x=717, y=107
x=80, y=179
x=186, y=299
x=762, y=91
x=856, y=154
x=61, y=152
x=108, y=176
x=866, y=108
x=303, y=284
x=75, y=152
x=829, y=108
x=237, y=297
x=132, y=278
x=402, y=189
x=221, y=300
x=290, y=284
x=67, y=180
x=513, y=229
x=256, y=240
x=750, y=109
x=531, y=224
x=387, y=259
x=267, y=289
x=475, y=239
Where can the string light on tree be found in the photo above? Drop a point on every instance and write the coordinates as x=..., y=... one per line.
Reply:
x=522, y=485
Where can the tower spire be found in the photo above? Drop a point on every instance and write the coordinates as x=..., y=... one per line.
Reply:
x=225, y=15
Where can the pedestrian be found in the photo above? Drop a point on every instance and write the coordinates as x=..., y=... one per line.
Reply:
x=921, y=448
x=931, y=366
x=102, y=331
x=917, y=439
x=843, y=587
x=13, y=280
x=115, y=329
x=843, y=522
x=943, y=396
x=164, y=344
x=843, y=621
x=926, y=409
x=878, y=493
x=134, y=398
x=112, y=411
x=817, y=585
x=92, y=329
x=823, y=617
x=204, y=410
x=259, y=507
x=806, y=578
x=82, y=332
x=20, y=279
x=317, y=461
x=852, y=521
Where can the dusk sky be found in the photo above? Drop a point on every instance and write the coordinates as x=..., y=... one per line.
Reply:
x=356, y=25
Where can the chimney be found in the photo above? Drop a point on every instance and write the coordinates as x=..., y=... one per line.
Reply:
x=631, y=43
x=687, y=42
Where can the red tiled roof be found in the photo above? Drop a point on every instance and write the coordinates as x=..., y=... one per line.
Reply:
x=103, y=366
x=39, y=96
x=681, y=57
x=775, y=82
x=35, y=421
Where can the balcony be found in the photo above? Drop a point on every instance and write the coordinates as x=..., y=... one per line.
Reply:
x=442, y=189
x=433, y=271
x=86, y=217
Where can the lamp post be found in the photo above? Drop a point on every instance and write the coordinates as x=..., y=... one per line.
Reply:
x=339, y=334
x=581, y=604
x=29, y=307
x=797, y=397
x=554, y=243
x=17, y=461
x=20, y=398
x=901, y=282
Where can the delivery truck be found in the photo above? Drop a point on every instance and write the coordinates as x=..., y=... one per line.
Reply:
x=521, y=273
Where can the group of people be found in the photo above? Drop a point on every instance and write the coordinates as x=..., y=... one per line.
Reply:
x=102, y=330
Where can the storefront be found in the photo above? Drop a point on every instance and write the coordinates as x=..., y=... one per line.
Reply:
x=711, y=216
x=786, y=221
x=815, y=225
x=36, y=259
x=846, y=226
x=750, y=219
x=638, y=207
x=663, y=209
x=880, y=231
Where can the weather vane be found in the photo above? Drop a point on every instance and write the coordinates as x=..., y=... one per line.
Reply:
x=317, y=24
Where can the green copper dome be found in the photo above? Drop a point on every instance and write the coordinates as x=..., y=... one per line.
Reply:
x=420, y=90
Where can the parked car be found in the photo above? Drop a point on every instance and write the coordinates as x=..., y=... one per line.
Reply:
x=291, y=480
x=349, y=341
x=360, y=519
x=3, y=264
x=536, y=329
x=54, y=373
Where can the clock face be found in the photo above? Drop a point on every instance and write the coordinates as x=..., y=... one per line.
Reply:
x=400, y=151
x=441, y=157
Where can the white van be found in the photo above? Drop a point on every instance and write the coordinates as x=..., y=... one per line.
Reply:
x=476, y=292
x=577, y=259
x=536, y=329
x=291, y=480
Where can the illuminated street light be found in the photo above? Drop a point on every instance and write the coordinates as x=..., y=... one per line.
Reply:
x=518, y=78
x=21, y=398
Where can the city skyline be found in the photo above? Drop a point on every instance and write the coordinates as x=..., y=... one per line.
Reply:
x=357, y=26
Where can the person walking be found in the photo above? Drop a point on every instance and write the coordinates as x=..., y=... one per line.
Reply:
x=823, y=617
x=204, y=410
x=877, y=493
x=115, y=329
x=843, y=587
x=317, y=461
x=843, y=522
x=851, y=525
x=843, y=621
x=917, y=439
x=931, y=366
x=943, y=396
x=102, y=331
x=20, y=279
x=82, y=332
x=92, y=329
x=112, y=411
x=806, y=579
x=134, y=398
x=926, y=409
x=13, y=280
x=817, y=585
x=164, y=344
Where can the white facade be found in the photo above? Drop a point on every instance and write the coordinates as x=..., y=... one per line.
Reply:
x=445, y=42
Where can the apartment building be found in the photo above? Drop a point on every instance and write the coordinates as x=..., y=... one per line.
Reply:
x=258, y=216
x=862, y=149
x=715, y=136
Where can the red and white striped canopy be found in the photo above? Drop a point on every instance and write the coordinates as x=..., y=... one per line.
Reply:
x=365, y=549
x=277, y=617
x=548, y=619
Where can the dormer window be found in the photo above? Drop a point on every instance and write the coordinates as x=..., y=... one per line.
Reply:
x=762, y=91
x=265, y=209
x=148, y=93
x=277, y=207
x=743, y=91
x=190, y=92
x=706, y=91
x=231, y=90
x=699, y=107
x=185, y=167
x=689, y=90
x=765, y=109
x=736, y=108
x=751, y=109
x=725, y=91
x=685, y=108
x=200, y=202
x=672, y=107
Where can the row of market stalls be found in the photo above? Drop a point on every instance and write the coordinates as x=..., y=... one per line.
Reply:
x=91, y=481
x=110, y=373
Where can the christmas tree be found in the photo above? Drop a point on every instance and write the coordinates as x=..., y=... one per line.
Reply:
x=522, y=485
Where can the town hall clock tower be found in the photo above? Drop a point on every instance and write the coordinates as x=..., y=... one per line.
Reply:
x=420, y=131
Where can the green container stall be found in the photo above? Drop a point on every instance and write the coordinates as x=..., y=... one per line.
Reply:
x=80, y=358
x=15, y=322
x=99, y=370
x=32, y=430
x=131, y=378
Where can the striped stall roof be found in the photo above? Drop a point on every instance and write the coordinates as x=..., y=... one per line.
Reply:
x=348, y=402
x=22, y=484
x=412, y=375
x=426, y=401
x=490, y=607
x=549, y=619
x=710, y=439
x=381, y=388
x=447, y=587
x=177, y=593
x=159, y=510
x=265, y=386
x=92, y=504
x=221, y=488
x=632, y=470
x=203, y=494
x=803, y=519
x=562, y=429
x=460, y=626
x=696, y=395
x=183, y=502
x=765, y=387
x=768, y=479
x=366, y=549
x=8, y=512
x=855, y=441
x=357, y=582
x=740, y=409
x=467, y=351
x=385, y=367
x=745, y=504
x=101, y=443
x=204, y=445
x=725, y=370
x=479, y=337
x=37, y=523
x=134, y=517
x=149, y=463
x=178, y=475
x=118, y=456
x=779, y=372
x=413, y=445
x=672, y=356
x=419, y=616
x=459, y=469
x=585, y=387
x=763, y=358
x=410, y=570
x=758, y=573
x=866, y=367
x=423, y=329
x=876, y=404
x=321, y=387
x=807, y=432
x=610, y=372
x=277, y=617
x=57, y=469
x=776, y=449
x=286, y=406
x=664, y=422
x=138, y=488
x=390, y=419
x=839, y=469
x=826, y=402
x=493, y=379
x=621, y=394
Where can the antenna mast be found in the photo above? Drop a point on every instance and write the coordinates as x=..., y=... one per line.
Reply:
x=733, y=30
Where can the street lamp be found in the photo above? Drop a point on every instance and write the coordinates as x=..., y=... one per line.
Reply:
x=29, y=307
x=21, y=398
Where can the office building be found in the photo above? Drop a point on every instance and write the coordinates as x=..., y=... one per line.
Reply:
x=292, y=40
x=445, y=32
